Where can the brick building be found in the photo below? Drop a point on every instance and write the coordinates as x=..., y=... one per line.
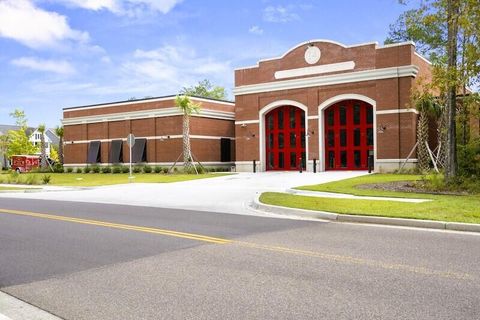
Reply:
x=326, y=103
x=97, y=133
x=322, y=103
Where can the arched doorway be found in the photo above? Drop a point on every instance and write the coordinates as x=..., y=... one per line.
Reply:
x=349, y=135
x=285, y=143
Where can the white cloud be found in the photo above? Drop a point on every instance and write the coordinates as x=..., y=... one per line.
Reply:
x=34, y=27
x=256, y=30
x=279, y=14
x=124, y=7
x=55, y=66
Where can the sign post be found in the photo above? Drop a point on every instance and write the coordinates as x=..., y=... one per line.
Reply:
x=131, y=143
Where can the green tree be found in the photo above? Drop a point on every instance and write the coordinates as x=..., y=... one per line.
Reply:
x=19, y=143
x=448, y=31
x=59, y=131
x=205, y=89
x=3, y=149
x=187, y=107
x=20, y=118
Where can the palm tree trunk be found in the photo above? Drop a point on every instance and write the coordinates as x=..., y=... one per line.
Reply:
x=43, y=160
x=60, y=151
x=422, y=137
x=187, y=161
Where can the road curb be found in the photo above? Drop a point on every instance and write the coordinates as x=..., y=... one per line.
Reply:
x=416, y=223
x=16, y=309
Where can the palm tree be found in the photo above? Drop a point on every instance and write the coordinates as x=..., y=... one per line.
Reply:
x=59, y=131
x=427, y=107
x=43, y=157
x=187, y=107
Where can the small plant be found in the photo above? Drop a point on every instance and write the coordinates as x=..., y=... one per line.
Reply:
x=125, y=169
x=69, y=170
x=87, y=169
x=96, y=169
x=175, y=170
x=78, y=170
x=32, y=179
x=46, y=179
x=58, y=168
x=147, y=169
x=116, y=169
x=165, y=170
x=107, y=170
x=157, y=169
x=136, y=169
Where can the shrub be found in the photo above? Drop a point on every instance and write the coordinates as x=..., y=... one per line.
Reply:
x=107, y=170
x=125, y=169
x=46, y=179
x=147, y=169
x=69, y=169
x=469, y=159
x=95, y=169
x=58, y=168
x=87, y=169
x=79, y=170
x=136, y=169
x=116, y=169
x=165, y=170
x=157, y=169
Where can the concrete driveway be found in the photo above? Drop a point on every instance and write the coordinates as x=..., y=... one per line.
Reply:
x=229, y=194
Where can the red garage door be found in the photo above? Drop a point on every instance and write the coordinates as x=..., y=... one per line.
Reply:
x=348, y=135
x=285, y=138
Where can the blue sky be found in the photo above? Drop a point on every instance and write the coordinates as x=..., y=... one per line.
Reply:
x=63, y=53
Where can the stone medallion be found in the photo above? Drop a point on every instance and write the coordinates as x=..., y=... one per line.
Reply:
x=312, y=55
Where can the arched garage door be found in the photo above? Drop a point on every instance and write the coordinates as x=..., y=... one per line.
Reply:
x=348, y=135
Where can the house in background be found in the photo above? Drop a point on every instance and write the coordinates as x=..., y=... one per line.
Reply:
x=50, y=139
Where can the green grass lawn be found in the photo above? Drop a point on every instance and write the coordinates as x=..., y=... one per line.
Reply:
x=102, y=179
x=442, y=207
x=10, y=188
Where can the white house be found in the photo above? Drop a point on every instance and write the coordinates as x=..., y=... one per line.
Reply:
x=50, y=138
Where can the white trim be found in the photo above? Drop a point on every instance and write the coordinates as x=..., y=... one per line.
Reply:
x=349, y=77
x=308, y=71
x=143, y=114
x=312, y=117
x=390, y=111
x=162, y=138
x=246, y=122
x=398, y=44
x=413, y=160
x=423, y=58
x=261, y=131
x=321, y=132
x=124, y=103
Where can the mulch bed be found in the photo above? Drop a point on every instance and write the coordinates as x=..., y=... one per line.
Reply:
x=406, y=186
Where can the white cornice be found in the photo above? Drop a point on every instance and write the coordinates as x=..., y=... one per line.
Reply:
x=397, y=111
x=308, y=71
x=143, y=114
x=349, y=77
x=161, y=138
x=125, y=103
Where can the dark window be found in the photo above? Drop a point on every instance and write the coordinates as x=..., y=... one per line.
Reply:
x=94, y=152
x=330, y=118
x=356, y=158
x=225, y=150
x=302, y=139
x=343, y=116
x=116, y=152
x=281, y=160
x=343, y=159
x=302, y=121
x=343, y=138
x=293, y=159
x=280, y=119
x=270, y=160
x=331, y=159
x=280, y=140
x=292, y=118
x=369, y=115
x=304, y=160
x=369, y=136
x=293, y=140
x=356, y=137
x=270, y=122
x=139, y=151
x=356, y=114
x=331, y=138
x=270, y=140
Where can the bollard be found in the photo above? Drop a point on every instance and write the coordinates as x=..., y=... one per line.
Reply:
x=254, y=166
x=314, y=165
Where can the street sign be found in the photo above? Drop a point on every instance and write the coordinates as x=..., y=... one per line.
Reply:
x=131, y=140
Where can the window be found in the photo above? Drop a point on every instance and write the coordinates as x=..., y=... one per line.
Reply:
x=270, y=122
x=343, y=138
x=356, y=137
x=369, y=115
x=330, y=118
x=343, y=116
x=116, y=152
x=94, y=152
x=293, y=159
x=280, y=140
x=292, y=118
x=343, y=159
x=280, y=119
x=356, y=158
x=369, y=136
x=225, y=150
x=356, y=114
x=331, y=138
x=302, y=139
x=293, y=139
x=270, y=140
x=281, y=160
x=139, y=151
x=270, y=160
x=331, y=159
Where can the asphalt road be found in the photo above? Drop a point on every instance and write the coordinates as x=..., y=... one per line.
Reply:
x=92, y=261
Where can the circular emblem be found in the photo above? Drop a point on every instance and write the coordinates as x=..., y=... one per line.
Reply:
x=312, y=55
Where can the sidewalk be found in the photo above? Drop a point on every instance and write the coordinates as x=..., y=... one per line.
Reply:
x=12, y=308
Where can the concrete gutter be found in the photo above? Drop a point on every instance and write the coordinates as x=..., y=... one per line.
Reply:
x=12, y=308
x=417, y=223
